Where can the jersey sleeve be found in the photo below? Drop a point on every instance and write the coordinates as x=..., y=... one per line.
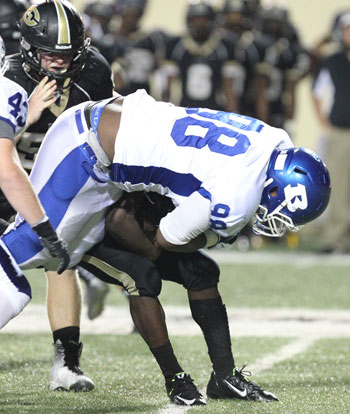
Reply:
x=13, y=109
x=96, y=77
x=186, y=221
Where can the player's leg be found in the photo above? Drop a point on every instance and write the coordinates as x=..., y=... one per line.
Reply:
x=140, y=278
x=64, y=308
x=15, y=291
x=75, y=199
x=95, y=292
x=226, y=380
x=148, y=316
x=200, y=275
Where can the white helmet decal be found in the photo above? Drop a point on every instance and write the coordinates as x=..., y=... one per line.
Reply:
x=298, y=194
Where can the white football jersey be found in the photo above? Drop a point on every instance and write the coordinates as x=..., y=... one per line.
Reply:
x=13, y=108
x=179, y=151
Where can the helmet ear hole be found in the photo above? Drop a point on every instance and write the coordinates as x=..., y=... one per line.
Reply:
x=273, y=192
x=299, y=171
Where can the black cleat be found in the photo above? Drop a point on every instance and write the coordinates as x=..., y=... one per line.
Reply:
x=182, y=391
x=237, y=385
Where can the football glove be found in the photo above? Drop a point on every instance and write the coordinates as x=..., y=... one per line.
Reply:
x=55, y=245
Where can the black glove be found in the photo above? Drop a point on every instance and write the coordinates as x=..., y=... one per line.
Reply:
x=56, y=246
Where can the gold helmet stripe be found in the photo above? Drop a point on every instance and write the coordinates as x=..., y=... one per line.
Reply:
x=63, y=35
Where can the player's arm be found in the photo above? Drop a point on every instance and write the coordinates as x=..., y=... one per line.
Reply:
x=322, y=83
x=129, y=232
x=229, y=78
x=185, y=229
x=15, y=184
x=195, y=244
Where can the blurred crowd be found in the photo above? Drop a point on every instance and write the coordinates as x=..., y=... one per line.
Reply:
x=245, y=56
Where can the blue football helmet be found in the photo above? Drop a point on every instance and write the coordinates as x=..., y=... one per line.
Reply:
x=297, y=190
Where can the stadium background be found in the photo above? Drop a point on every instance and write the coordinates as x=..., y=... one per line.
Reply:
x=313, y=19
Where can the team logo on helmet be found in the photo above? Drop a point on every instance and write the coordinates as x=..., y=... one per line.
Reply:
x=296, y=196
x=31, y=16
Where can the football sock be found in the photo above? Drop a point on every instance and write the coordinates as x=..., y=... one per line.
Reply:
x=70, y=333
x=167, y=360
x=211, y=316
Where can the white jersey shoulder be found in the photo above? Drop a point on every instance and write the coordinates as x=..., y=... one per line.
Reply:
x=13, y=106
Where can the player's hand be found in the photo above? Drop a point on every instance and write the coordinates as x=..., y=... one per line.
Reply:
x=57, y=248
x=55, y=245
x=42, y=97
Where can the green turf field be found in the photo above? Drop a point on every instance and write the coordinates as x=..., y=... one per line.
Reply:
x=312, y=381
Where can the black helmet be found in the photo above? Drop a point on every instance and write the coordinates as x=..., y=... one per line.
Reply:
x=200, y=8
x=135, y=6
x=54, y=27
x=239, y=6
x=238, y=15
x=275, y=20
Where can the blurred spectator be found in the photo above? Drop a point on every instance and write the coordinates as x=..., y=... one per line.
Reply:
x=239, y=19
x=327, y=45
x=97, y=17
x=333, y=77
x=239, y=16
x=140, y=52
x=11, y=12
x=285, y=62
x=203, y=61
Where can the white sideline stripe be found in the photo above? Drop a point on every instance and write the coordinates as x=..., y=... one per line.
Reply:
x=257, y=322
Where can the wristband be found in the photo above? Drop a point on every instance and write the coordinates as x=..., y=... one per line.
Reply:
x=44, y=229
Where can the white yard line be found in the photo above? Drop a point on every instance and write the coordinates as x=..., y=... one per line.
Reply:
x=288, y=351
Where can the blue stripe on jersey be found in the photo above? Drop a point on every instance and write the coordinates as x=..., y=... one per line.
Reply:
x=203, y=192
x=8, y=122
x=56, y=196
x=97, y=112
x=79, y=121
x=18, y=280
x=178, y=183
